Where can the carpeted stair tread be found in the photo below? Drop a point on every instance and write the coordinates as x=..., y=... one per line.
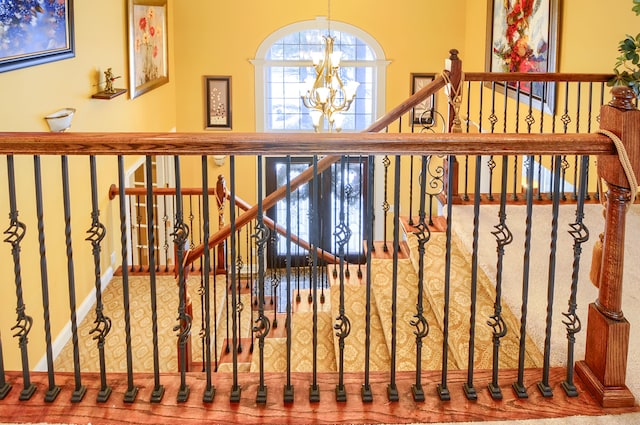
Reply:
x=275, y=355
x=302, y=342
x=382, y=273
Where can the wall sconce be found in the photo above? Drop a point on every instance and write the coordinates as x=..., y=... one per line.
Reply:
x=60, y=120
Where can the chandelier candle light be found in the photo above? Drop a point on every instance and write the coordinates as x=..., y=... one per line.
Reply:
x=327, y=96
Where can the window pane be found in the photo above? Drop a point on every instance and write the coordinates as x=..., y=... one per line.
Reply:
x=285, y=110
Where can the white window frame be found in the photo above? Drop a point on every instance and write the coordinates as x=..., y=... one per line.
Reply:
x=379, y=65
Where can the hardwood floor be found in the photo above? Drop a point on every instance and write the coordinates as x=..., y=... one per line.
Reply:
x=327, y=411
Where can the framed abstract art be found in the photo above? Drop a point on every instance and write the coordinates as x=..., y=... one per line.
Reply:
x=522, y=36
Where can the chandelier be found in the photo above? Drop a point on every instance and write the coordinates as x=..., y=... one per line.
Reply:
x=326, y=95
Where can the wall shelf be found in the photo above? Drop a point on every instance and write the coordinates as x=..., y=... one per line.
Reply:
x=107, y=96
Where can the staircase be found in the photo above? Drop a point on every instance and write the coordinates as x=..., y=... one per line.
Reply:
x=275, y=354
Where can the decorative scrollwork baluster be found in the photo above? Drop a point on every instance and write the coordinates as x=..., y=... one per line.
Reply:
x=15, y=233
x=580, y=235
x=102, y=323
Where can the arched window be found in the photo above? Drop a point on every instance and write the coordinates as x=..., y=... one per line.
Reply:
x=283, y=62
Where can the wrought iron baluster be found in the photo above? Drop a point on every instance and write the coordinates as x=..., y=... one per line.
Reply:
x=423, y=234
x=587, y=196
x=102, y=322
x=191, y=217
x=514, y=195
x=139, y=232
x=366, y=392
x=183, y=328
x=80, y=389
x=314, y=388
x=361, y=216
x=386, y=162
x=469, y=389
x=543, y=385
x=410, y=191
x=158, y=390
x=53, y=390
x=239, y=265
x=503, y=237
x=288, y=388
x=580, y=235
x=262, y=324
x=392, y=389
x=343, y=325
x=465, y=196
x=15, y=233
x=298, y=297
x=493, y=119
x=209, y=390
x=235, y=388
x=518, y=386
x=132, y=390
x=165, y=224
x=443, y=390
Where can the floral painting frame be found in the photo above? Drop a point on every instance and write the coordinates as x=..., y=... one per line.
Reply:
x=148, y=62
x=35, y=32
x=217, y=102
x=522, y=36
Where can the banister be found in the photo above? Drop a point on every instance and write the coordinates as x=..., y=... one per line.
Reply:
x=551, y=77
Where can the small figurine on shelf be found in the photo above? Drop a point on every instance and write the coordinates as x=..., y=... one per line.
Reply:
x=109, y=79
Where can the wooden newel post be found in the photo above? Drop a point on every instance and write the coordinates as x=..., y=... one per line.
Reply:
x=454, y=65
x=605, y=365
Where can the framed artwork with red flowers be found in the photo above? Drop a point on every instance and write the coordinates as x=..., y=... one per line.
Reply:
x=217, y=102
x=33, y=32
x=148, y=67
x=522, y=36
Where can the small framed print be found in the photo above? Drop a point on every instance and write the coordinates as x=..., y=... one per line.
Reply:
x=423, y=111
x=217, y=105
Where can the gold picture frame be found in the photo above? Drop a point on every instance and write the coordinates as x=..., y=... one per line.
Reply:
x=148, y=62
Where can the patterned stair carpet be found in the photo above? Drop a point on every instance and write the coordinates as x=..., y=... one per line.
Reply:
x=302, y=322
x=460, y=305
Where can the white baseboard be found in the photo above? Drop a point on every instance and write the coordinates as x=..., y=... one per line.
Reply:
x=65, y=335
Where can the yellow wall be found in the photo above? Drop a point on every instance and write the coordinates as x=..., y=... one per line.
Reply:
x=27, y=96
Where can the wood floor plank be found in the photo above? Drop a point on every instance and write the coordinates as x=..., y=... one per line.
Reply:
x=327, y=411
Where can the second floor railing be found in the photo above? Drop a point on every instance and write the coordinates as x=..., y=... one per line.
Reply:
x=422, y=315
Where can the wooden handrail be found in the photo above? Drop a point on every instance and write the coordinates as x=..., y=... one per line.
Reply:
x=551, y=77
x=242, y=204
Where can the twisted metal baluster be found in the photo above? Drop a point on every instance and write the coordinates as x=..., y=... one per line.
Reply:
x=288, y=388
x=469, y=390
x=239, y=305
x=235, y=389
x=132, y=390
x=423, y=234
x=209, y=390
x=183, y=328
x=262, y=327
x=580, y=235
x=367, y=394
x=80, y=389
x=519, y=388
x=102, y=323
x=165, y=224
x=158, y=390
x=503, y=237
x=543, y=385
x=443, y=390
x=314, y=388
x=343, y=325
x=15, y=233
x=493, y=119
x=385, y=204
x=53, y=389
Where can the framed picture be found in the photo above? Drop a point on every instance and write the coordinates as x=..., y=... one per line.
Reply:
x=35, y=32
x=423, y=113
x=217, y=103
x=522, y=37
x=147, y=45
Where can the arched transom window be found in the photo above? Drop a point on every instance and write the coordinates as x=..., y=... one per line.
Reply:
x=284, y=61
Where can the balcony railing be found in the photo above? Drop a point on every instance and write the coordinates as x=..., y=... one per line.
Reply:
x=434, y=316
